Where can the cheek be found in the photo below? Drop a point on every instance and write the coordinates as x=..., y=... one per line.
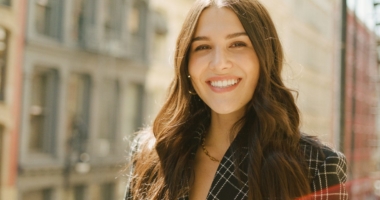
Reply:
x=194, y=76
x=195, y=70
x=192, y=67
x=252, y=64
x=253, y=73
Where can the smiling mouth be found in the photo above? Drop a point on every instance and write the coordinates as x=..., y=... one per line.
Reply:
x=224, y=83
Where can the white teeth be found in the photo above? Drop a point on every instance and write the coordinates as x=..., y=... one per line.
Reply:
x=224, y=83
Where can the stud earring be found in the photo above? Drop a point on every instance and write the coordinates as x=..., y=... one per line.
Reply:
x=192, y=93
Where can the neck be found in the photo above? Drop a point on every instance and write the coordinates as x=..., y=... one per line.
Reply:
x=220, y=132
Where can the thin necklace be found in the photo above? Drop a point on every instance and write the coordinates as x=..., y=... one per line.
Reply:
x=206, y=152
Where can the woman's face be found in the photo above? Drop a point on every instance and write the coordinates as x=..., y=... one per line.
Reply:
x=223, y=64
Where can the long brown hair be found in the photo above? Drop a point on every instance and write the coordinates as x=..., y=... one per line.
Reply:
x=270, y=127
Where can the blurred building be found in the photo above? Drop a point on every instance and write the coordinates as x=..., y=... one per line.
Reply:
x=168, y=18
x=11, y=55
x=83, y=92
x=361, y=134
x=310, y=32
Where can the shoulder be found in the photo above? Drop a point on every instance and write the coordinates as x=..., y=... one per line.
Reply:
x=315, y=150
x=333, y=165
x=320, y=153
x=144, y=140
x=327, y=167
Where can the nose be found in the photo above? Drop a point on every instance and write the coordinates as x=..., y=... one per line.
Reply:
x=220, y=60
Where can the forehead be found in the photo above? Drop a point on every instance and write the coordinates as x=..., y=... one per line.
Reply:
x=220, y=20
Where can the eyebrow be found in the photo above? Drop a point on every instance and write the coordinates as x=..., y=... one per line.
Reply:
x=229, y=36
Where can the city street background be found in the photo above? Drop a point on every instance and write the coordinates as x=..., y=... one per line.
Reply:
x=79, y=77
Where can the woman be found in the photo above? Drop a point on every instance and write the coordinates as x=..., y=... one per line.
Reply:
x=230, y=128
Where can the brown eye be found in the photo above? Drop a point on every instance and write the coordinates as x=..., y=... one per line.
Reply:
x=202, y=47
x=238, y=44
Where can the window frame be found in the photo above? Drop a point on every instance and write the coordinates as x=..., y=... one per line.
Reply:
x=134, y=105
x=54, y=22
x=105, y=190
x=85, y=22
x=3, y=68
x=50, y=123
x=48, y=193
x=113, y=24
x=8, y=3
x=1, y=154
x=77, y=144
x=110, y=110
x=76, y=192
x=139, y=36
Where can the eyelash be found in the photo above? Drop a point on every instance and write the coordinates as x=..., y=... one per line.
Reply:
x=239, y=44
x=235, y=44
x=202, y=47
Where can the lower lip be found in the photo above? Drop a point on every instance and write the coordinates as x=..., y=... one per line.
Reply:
x=221, y=90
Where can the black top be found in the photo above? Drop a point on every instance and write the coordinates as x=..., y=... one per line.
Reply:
x=327, y=174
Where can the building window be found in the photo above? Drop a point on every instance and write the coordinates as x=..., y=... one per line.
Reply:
x=135, y=103
x=3, y=61
x=137, y=27
x=108, y=191
x=5, y=2
x=79, y=17
x=44, y=194
x=1, y=154
x=109, y=117
x=78, y=108
x=113, y=19
x=79, y=192
x=49, y=18
x=43, y=111
x=84, y=18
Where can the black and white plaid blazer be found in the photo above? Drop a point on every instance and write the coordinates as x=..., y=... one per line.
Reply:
x=327, y=175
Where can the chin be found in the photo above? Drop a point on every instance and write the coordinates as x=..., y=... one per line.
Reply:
x=225, y=111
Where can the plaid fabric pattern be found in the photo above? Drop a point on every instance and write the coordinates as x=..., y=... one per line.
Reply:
x=327, y=174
